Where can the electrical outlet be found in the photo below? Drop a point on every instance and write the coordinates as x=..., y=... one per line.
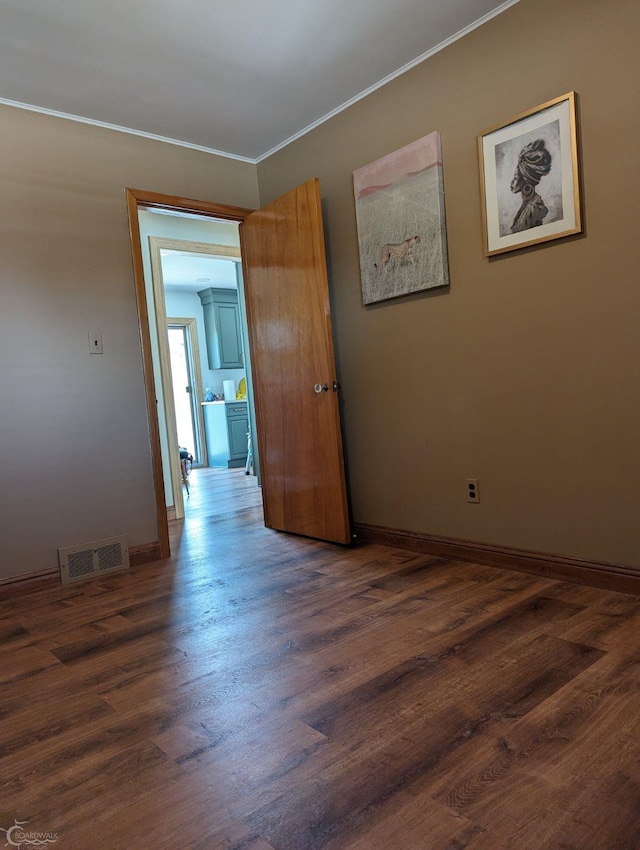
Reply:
x=473, y=490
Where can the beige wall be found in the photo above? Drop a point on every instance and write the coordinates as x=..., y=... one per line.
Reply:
x=525, y=373
x=75, y=459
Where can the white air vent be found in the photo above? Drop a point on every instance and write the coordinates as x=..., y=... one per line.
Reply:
x=93, y=559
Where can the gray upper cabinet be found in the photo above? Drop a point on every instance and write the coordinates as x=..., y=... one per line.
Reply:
x=222, y=328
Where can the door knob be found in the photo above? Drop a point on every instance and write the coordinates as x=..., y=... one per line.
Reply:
x=321, y=388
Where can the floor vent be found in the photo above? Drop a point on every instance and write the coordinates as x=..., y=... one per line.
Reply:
x=93, y=559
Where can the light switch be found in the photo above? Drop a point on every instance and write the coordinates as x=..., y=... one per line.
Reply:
x=95, y=343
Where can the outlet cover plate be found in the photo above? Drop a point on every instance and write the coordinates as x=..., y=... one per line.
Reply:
x=473, y=491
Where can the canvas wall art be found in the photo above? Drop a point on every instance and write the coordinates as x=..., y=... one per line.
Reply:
x=401, y=222
x=529, y=177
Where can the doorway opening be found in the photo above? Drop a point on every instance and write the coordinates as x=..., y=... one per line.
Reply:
x=201, y=282
x=287, y=314
x=187, y=386
x=168, y=243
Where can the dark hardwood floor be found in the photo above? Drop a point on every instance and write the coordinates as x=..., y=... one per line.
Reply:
x=264, y=692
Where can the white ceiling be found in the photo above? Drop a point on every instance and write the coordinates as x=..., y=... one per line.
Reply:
x=241, y=77
x=191, y=272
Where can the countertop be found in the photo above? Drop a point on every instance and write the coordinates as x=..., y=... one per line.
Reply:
x=224, y=401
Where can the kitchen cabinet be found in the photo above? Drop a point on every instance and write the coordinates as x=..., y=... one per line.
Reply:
x=237, y=428
x=222, y=328
x=226, y=425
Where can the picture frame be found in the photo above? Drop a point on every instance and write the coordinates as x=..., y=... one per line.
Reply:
x=400, y=220
x=529, y=177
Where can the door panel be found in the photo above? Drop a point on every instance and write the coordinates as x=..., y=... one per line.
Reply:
x=229, y=336
x=238, y=431
x=291, y=344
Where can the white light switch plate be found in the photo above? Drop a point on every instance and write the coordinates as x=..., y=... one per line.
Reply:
x=95, y=343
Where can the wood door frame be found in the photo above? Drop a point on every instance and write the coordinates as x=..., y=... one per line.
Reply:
x=137, y=199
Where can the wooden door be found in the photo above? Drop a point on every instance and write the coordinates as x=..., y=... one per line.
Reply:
x=297, y=411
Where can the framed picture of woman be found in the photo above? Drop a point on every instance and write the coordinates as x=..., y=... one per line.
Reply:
x=529, y=177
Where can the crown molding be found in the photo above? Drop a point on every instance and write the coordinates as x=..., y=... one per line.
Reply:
x=118, y=128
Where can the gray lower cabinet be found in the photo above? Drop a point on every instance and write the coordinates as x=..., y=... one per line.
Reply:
x=222, y=328
x=226, y=425
x=237, y=428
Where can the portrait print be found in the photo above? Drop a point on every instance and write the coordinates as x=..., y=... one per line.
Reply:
x=529, y=177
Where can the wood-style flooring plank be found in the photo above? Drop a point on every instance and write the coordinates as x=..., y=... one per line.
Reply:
x=259, y=691
x=553, y=771
x=23, y=663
